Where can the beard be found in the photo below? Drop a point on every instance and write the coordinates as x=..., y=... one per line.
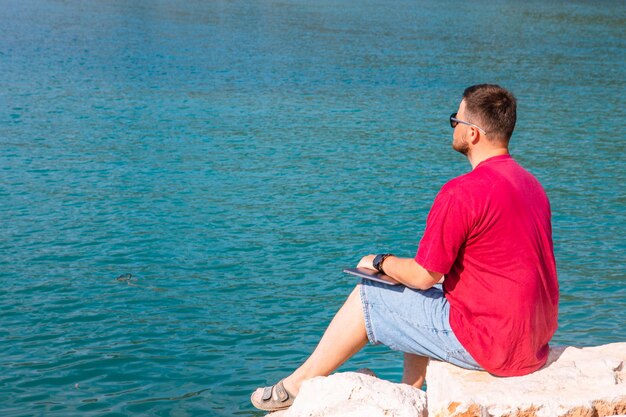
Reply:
x=460, y=146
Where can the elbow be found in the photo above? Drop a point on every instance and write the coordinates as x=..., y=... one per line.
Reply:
x=422, y=286
x=421, y=278
x=420, y=283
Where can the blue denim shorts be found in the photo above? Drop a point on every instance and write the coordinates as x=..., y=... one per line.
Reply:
x=412, y=321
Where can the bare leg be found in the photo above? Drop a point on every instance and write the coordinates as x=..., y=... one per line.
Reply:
x=344, y=337
x=414, y=370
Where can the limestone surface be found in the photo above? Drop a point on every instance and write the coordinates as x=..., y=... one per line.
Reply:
x=351, y=394
x=576, y=382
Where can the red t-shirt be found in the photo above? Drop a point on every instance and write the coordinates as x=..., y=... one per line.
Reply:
x=489, y=233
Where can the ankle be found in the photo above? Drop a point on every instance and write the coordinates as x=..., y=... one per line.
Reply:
x=292, y=385
x=294, y=381
x=415, y=382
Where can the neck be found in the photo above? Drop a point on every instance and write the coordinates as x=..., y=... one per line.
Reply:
x=476, y=156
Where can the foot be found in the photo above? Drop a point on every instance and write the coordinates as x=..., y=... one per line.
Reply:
x=290, y=385
x=274, y=398
x=366, y=371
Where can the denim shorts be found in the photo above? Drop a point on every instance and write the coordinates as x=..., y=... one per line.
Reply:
x=412, y=321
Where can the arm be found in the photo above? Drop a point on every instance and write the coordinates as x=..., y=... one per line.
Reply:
x=405, y=270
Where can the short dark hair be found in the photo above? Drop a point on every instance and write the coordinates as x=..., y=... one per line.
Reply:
x=494, y=107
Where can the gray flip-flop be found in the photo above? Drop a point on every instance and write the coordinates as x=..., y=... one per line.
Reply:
x=282, y=400
x=366, y=371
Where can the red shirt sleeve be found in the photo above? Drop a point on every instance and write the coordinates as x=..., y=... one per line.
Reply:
x=447, y=228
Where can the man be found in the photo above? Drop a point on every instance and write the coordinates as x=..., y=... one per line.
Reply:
x=489, y=233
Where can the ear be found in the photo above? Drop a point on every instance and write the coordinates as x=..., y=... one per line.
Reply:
x=475, y=135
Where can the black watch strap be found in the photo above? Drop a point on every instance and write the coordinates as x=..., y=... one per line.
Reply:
x=379, y=259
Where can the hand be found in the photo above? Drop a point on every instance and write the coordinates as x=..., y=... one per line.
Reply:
x=367, y=262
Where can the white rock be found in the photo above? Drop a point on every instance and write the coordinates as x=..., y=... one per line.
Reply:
x=353, y=394
x=587, y=382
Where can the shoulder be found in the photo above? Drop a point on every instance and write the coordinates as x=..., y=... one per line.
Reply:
x=453, y=197
x=460, y=186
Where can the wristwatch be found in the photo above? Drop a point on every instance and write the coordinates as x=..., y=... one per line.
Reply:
x=379, y=259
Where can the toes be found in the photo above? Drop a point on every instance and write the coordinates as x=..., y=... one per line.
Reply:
x=256, y=395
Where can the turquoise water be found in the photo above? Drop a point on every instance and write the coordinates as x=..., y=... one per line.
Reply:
x=234, y=156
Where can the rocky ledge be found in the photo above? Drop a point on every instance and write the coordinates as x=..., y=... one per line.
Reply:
x=352, y=394
x=587, y=382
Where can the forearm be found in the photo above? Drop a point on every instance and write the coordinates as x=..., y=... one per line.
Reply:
x=410, y=273
x=406, y=271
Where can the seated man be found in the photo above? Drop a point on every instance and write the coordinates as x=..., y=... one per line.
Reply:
x=489, y=232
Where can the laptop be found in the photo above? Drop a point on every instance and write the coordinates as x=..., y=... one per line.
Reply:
x=371, y=275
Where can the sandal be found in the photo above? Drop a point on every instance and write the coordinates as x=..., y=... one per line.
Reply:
x=366, y=371
x=274, y=398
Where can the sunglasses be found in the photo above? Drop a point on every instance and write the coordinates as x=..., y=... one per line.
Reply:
x=454, y=121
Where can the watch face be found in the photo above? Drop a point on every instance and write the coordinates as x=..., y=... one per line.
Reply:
x=377, y=260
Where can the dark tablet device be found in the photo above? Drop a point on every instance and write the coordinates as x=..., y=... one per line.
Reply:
x=371, y=274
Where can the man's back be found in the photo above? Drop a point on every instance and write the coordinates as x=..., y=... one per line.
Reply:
x=489, y=232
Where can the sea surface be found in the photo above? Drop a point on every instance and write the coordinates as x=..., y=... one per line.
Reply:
x=182, y=182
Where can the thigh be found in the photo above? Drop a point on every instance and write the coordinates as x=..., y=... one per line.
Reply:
x=412, y=321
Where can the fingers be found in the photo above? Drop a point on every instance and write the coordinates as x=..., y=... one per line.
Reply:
x=366, y=262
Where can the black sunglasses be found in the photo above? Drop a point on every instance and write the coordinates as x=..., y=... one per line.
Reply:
x=454, y=122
